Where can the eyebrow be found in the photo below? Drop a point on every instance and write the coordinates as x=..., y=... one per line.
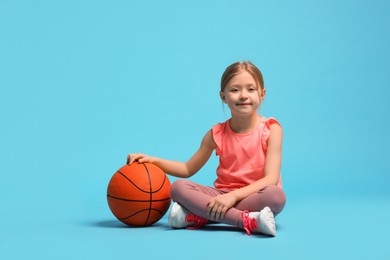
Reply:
x=239, y=86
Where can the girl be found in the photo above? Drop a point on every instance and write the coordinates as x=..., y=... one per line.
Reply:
x=247, y=192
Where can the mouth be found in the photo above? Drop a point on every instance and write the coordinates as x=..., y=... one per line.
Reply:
x=243, y=104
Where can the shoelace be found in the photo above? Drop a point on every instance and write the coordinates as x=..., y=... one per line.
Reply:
x=250, y=224
x=199, y=221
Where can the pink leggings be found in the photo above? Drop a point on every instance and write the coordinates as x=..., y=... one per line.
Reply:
x=194, y=197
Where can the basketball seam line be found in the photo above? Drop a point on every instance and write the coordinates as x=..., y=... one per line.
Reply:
x=132, y=182
x=150, y=193
x=162, y=185
x=159, y=211
x=117, y=198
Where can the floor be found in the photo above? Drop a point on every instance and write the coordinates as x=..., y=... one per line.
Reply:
x=308, y=228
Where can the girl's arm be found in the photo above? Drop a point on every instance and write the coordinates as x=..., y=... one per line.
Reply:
x=180, y=169
x=218, y=206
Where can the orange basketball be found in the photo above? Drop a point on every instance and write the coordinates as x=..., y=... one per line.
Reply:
x=139, y=194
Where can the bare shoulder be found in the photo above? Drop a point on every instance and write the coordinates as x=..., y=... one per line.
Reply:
x=276, y=135
x=276, y=129
x=208, y=140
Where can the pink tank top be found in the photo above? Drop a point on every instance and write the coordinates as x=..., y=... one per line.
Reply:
x=241, y=156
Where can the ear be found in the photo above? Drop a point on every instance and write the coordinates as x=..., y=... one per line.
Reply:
x=262, y=94
x=222, y=96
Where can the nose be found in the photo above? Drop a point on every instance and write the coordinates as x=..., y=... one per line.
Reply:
x=243, y=95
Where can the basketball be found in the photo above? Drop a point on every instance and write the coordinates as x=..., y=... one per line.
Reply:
x=138, y=194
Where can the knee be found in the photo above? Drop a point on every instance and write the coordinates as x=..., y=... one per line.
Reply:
x=277, y=199
x=178, y=187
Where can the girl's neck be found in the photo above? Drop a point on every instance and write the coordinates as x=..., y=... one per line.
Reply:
x=244, y=124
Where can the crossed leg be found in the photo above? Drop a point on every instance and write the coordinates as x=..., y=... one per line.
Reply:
x=194, y=197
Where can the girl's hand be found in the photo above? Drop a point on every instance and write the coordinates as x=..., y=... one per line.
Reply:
x=217, y=206
x=139, y=157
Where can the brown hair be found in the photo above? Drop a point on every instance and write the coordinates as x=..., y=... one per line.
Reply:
x=236, y=67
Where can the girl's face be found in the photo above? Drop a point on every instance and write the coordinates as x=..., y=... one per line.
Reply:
x=242, y=95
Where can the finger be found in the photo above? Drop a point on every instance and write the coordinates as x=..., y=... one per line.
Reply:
x=212, y=214
x=210, y=211
x=218, y=215
x=142, y=160
x=210, y=206
x=223, y=212
x=133, y=158
x=215, y=213
x=128, y=158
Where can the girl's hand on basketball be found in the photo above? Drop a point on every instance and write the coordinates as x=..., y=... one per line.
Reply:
x=139, y=157
x=217, y=206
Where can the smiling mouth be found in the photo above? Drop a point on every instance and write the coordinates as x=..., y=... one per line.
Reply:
x=243, y=104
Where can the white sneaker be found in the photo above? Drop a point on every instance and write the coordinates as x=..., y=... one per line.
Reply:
x=265, y=221
x=179, y=217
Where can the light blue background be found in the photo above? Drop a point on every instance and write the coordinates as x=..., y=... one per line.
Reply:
x=84, y=83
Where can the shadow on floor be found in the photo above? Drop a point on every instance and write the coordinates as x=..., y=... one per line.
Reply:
x=118, y=224
x=215, y=227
